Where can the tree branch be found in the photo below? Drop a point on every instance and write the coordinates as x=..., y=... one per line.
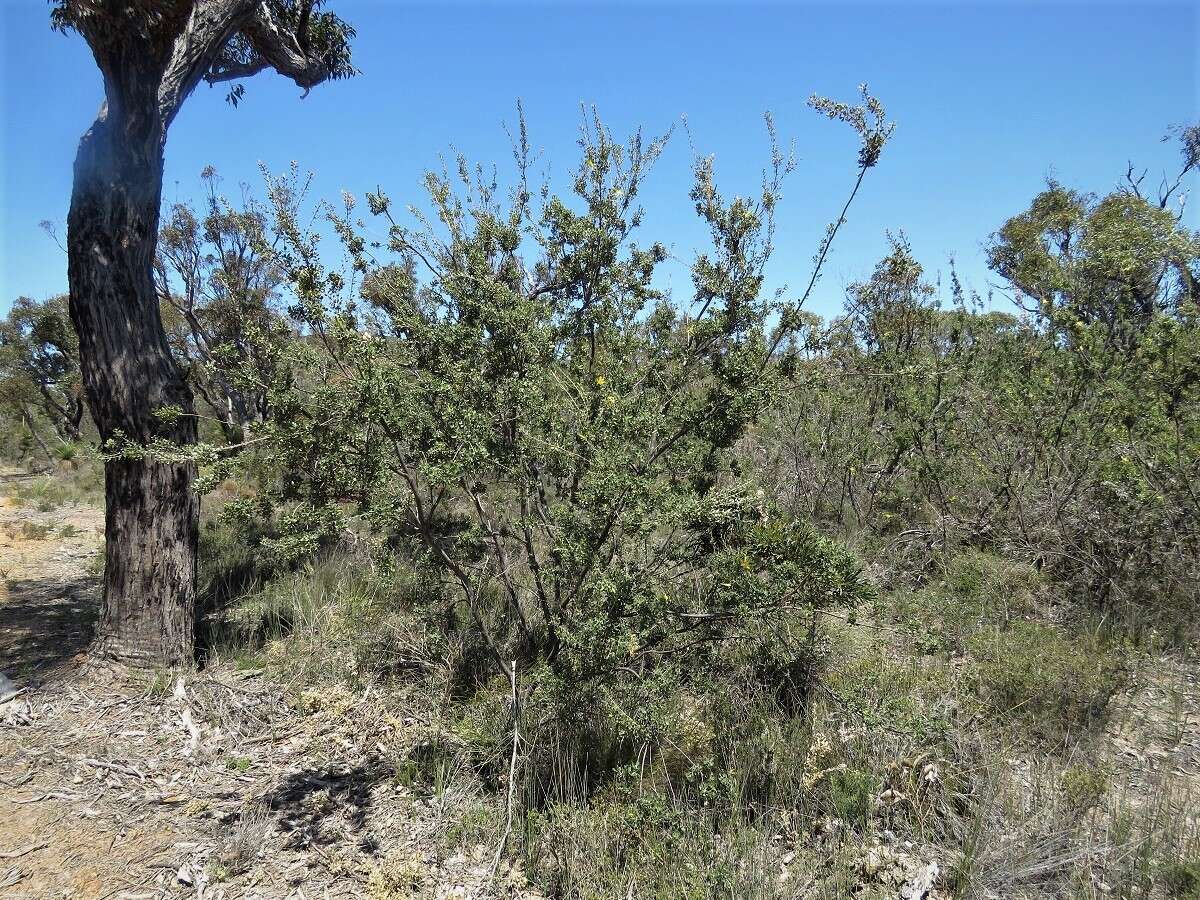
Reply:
x=233, y=72
x=209, y=28
x=284, y=51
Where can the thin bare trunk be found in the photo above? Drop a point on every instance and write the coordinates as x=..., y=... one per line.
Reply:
x=36, y=437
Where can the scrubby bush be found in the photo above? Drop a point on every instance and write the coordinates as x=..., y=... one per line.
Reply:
x=512, y=403
x=1066, y=436
x=1083, y=785
x=40, y=385
x=1181, y=880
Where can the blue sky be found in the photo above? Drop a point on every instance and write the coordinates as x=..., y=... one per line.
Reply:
x=990, y=99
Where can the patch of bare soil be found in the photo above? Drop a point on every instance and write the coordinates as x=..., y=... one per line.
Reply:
x=48, y=599
x=1153, y=736
x=216, y=786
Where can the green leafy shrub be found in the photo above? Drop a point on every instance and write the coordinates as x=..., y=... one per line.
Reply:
x=977, y=590
x=851, y=794
x=883, y=689
x=505, y=398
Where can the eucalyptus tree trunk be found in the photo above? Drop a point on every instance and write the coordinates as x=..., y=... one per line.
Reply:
x=151, y=512
x=153, y=54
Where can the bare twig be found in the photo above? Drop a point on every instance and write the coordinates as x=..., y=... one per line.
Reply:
x=17, y=854
x=512, y=770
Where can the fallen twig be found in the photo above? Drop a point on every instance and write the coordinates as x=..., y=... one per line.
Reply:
x=13, y=876
x=113, y=767
x=53, y=795
x=17, y=854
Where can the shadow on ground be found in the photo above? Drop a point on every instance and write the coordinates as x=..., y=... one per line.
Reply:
x=44, y=625
x=320, y=807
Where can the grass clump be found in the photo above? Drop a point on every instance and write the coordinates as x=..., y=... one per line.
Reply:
x=35, y=531
x=647, y=846
x=79, y=482
x=333, y=620
x=1048, y=683
x=1084, y=785
x=1181, y=880
x=396, y=878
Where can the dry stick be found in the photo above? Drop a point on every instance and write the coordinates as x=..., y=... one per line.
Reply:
x=113, y=767
x=53, y=795
x=14, y=875
x=17, y=854
x=512, y=772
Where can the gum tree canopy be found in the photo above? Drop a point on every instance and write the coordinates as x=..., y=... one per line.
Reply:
x=152, y=54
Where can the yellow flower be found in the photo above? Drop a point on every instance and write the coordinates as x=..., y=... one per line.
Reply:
x=600, y=380
x=610, y=399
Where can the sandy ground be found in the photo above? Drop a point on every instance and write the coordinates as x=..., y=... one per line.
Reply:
x=48, y=588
